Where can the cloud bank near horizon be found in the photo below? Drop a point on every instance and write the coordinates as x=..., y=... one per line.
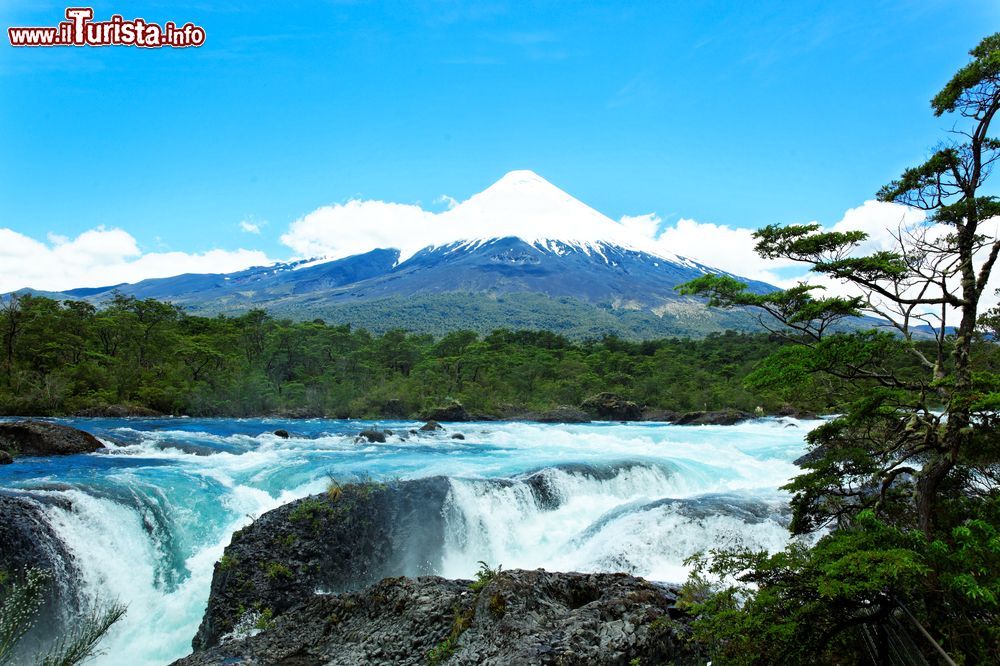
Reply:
x=357, y=226
x=102, y=257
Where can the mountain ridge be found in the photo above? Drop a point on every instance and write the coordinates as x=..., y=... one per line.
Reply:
x=522, y=240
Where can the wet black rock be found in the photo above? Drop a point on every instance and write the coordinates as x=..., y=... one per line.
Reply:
x=431, y=426
x=454, y=411
x=344, y=539
x=518, y=617
x=41, y=438
x=722, y=417
x=27, y=541
x=458, y=435
x=282, y=433
x=372, y=436
x=5, y=458
x=796, y=413
x=611, y=407
x=659, y=415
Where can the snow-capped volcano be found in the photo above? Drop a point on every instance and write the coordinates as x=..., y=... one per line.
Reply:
x=520, y=205
x=521, y=254
x=524, y=205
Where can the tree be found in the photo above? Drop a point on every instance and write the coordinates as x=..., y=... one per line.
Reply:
x=11, y=316
x=908, y=476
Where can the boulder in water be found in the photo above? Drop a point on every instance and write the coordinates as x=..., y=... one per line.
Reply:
x=373, y=436
x=454, y=411
x=611, y=407
x=431, y=426
x=722, y=417
x=282, y=433
x=513, y=617
x=659, y=415
x=5, y=458
x=343, y=539
x=796, y=413
x=41, y=438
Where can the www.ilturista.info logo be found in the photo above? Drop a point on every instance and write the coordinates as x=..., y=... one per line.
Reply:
x=81, y=30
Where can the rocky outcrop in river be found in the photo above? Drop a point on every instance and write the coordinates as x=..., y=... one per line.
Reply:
x=513, y=617
x=315, y=581
x=41, y=438
x=343, y=539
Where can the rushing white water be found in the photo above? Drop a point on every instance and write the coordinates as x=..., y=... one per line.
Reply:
x=147, y=521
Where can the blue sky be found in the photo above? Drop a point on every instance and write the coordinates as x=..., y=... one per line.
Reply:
x=736, y=114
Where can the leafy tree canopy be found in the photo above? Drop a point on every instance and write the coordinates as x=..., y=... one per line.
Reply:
x=901, y=493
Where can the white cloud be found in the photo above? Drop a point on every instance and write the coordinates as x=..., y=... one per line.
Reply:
x=359, y=226
x=449, y=202
x=719, y=246
x=732, y=249
x=647, y=226
x=101, y=257
x=250, y=227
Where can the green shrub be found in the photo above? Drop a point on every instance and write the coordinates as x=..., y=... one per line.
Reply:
x=484, y=576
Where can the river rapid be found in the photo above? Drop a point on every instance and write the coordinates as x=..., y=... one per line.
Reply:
x=147, y=519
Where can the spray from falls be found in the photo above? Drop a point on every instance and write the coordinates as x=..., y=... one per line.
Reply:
x=582, y=518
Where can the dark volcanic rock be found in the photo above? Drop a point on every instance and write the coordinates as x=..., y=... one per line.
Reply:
x=431, y=426
x=611, y=407
x=282, y=433
x=723, y=417
x=519, y=617
x=458, y=435
x=450, y=412
x=659, y=415
x=372, y=436
x=40, y=438
x=344, y=539
x=28, y=542
x=796, y=413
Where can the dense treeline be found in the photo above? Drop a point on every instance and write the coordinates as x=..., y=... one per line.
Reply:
x=65, y=357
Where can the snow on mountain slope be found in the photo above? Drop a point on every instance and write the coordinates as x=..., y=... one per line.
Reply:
x=520, y=205
x=524, y=205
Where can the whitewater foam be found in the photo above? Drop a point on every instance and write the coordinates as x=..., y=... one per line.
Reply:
x=147, y=521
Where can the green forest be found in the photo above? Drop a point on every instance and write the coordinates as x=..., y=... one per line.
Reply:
x=63, y=358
